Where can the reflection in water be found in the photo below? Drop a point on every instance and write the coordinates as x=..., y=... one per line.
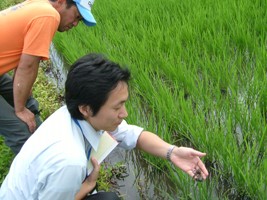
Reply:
x=142, y=181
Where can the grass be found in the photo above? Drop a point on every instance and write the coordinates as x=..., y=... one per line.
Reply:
x=6, y=3
x=6, y=157
x=199, y=72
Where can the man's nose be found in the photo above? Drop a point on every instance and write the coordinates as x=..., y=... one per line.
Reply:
x=123, y=113
x=75, y=23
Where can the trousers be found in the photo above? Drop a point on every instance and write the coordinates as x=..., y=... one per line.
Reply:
x=13, y=129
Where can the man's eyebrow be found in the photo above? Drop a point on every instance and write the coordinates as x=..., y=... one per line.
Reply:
x=122, y=102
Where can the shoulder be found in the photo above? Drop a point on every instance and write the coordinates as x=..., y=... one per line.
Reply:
x=39, y=8
x=59, y=121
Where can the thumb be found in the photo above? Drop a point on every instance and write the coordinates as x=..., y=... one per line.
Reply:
x=95, y=164
x=198, y=153
x=96, y=168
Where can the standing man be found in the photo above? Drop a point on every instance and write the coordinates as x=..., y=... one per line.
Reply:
x=53, y=162
x=27, y=30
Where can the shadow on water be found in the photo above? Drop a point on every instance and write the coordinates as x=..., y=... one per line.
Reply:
x=140, y=180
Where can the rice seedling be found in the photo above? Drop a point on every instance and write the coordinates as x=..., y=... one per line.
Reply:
x=199, y=70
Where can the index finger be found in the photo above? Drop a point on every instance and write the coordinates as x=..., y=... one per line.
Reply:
x=203, y=169
x=31, y=125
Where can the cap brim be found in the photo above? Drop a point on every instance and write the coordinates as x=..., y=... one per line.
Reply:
x=88, y=18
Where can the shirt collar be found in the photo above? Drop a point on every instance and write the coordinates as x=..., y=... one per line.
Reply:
x=91, y=135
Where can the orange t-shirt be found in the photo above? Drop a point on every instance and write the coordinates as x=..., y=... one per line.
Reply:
x=27, y=28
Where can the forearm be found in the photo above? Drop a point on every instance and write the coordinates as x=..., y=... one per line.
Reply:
x=151, y=143
x=85, y=189
x=24, y=78
x=21, y=89
x=90, y=182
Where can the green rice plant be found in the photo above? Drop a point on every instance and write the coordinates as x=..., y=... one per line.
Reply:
x=199, y=79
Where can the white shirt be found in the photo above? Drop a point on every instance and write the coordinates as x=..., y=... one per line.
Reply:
x=52, y=163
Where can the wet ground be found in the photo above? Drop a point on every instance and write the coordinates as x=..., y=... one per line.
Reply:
x=140, y=180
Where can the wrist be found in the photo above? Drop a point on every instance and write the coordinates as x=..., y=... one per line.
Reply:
x=169, y=152
x=92, y=185
x=95, y=188
x=18, y=109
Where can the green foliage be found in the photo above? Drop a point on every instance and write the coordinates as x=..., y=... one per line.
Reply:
x=6, y=3
x=199, y=70
x=6, y=157
x=46, y=93
x=109, y=174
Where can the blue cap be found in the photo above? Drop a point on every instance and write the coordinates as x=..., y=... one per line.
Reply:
x=84, y=7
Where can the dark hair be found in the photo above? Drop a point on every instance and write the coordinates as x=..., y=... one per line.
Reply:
x=90, y=81
x=69, y=3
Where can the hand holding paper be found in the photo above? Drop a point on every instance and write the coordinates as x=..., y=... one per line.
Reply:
x=106, y=145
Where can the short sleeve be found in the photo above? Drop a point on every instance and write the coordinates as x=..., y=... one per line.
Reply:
x=39, y=36
x=127, y=135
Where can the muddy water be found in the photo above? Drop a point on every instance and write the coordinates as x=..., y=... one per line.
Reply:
x=58, y=70
x=139, y=181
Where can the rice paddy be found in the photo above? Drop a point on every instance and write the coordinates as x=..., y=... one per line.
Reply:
x=199, y=79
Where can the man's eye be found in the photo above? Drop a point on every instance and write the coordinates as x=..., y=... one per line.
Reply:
x=117, y=108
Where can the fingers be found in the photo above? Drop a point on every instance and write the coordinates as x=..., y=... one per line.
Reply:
x=189, y=161
x=30, y=120
x=196, y=174
x=191, y=172
x=198, y=153
x=203, y=169
x=199, y=172
x=32, y=125
x=200, y=165
x=27, y=117
x=96, y=168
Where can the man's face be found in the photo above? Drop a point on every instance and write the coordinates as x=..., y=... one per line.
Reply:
x=113, y=111
x=69, y=17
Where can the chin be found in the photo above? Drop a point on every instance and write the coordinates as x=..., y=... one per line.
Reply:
x=61, y=29
x=112, y=129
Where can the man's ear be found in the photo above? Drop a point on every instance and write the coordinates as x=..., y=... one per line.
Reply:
x=86, y=111
x=61, y=1
x=58, y=4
